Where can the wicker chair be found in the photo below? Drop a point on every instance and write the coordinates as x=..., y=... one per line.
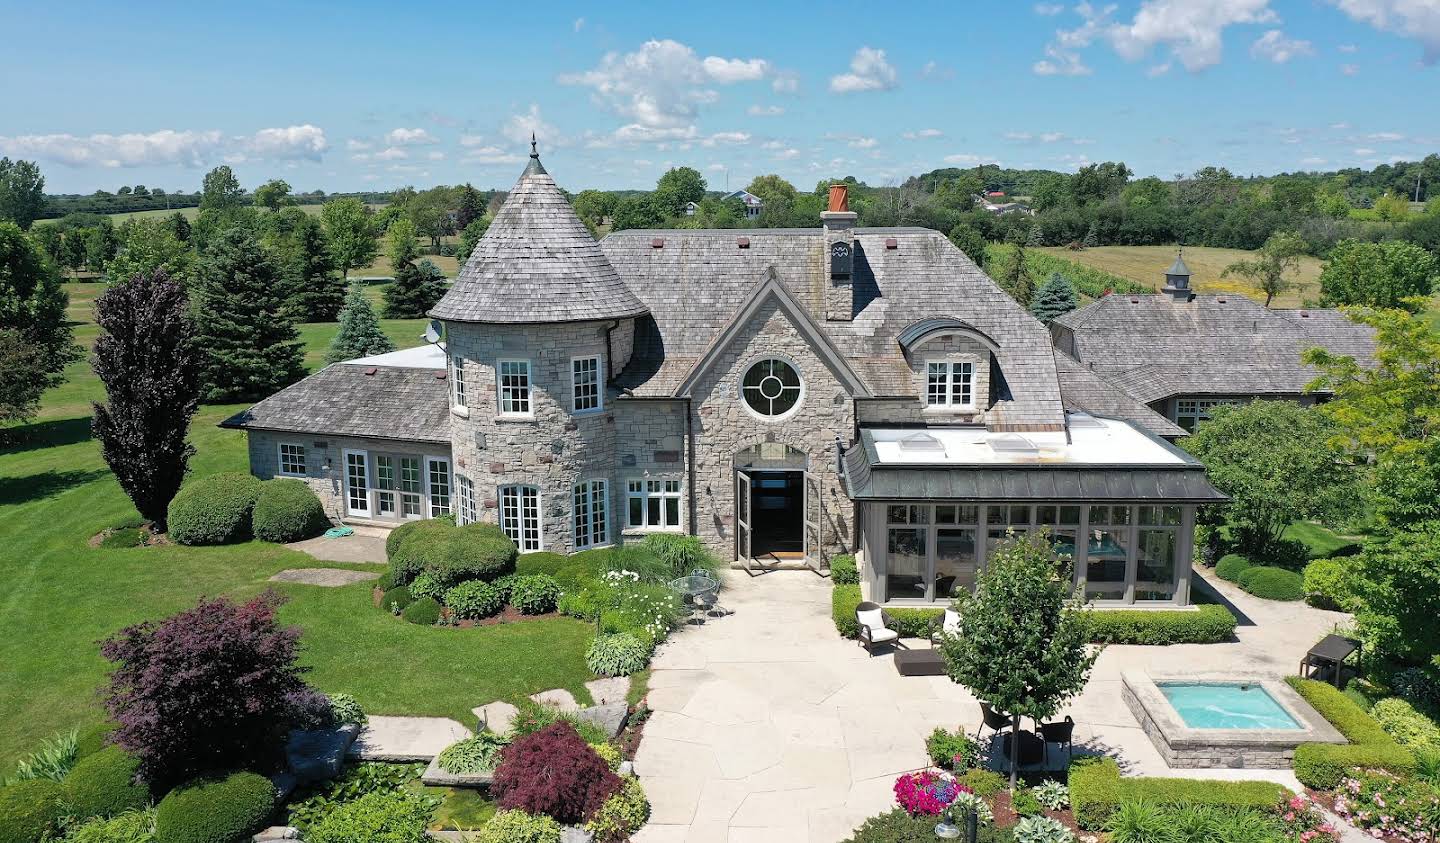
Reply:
x=876, y=627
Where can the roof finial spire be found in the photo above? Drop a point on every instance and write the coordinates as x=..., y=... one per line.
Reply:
x=534, y=153
x=534, y=167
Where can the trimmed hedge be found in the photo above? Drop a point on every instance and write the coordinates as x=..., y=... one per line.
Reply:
x=1407, y=726
x=30, y=810
x=92, y=739
x=843, y=570
x=1097, y=791
x=214, y=510
x=450, y=554
x=1272, y=583
x=104, y=784
x=425, y=611
x=1322, y=765
x=1231, y=566
x=286, y=510
x=215, y=810
x=1208, y=624
x=912, y=623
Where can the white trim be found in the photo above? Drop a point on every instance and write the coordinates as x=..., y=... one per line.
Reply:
x=459, y=387
x=449, y=487
x=345, y=480
x=589, y=487
x=280, y=460
x=644, y=495
x=599, y=385
x=951, y=383
x=756, y=360
x=520, y=505
x=529, y=412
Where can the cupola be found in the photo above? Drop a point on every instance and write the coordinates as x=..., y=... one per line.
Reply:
x=1177, y=278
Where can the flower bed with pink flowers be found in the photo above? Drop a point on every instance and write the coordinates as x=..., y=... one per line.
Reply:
x=1389, y=807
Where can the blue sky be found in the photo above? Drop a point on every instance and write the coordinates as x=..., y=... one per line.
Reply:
x=344, y=96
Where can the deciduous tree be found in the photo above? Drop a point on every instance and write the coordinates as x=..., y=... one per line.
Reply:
x=22, y=192
x=147, y=358
x=147, y=245
x=360, y=334
x=679, y=185
x=470, y=236
x=350, y=230
x=1274, y=264
x=593, y=206
x=274, y=194
x=35, y=336
x=969, y=241
x=771, y=188
x=1380, y=275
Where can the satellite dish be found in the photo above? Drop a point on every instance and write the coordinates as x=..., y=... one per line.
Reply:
x=432, y=332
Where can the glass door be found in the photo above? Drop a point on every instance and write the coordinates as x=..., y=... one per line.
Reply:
x=357, y=483
x=385, y=486
x=812, y=503
x=410, y=488
x=742, y=518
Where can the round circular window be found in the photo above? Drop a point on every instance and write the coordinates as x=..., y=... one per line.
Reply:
x=771, y=388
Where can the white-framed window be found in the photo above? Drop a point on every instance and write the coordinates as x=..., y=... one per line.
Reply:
x=949, y=383
x=590, y=510
x=1189, y=412
x=514, y=383
x=437, y=473
x=652, y=504
x=772, y=388
x=292, y=459
x=585, y=381
x=467, y=499
x=520, y=516
x=458, y=397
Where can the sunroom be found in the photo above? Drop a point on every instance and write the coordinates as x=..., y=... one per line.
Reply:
x=1118, y=503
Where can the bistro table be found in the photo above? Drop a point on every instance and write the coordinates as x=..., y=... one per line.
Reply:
x=693, y=588
x=1332, y=651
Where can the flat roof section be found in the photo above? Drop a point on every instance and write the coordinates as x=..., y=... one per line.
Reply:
x=1092, y=441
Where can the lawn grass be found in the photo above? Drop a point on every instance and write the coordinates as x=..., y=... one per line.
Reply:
x=61, y=596
x=1321, y=540
x=1147, y=265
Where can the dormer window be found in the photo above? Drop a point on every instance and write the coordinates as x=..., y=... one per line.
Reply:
x=950, y=384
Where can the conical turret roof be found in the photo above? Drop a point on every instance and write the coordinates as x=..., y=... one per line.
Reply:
x=537, y=263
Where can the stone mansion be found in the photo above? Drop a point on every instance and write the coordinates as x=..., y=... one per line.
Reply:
x=784, y=394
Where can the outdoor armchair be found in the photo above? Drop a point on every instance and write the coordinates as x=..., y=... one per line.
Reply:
x=875, y=626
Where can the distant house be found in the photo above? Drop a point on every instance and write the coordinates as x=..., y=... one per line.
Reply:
x=691, y=208
x=1182, y=354
x=999, y=208
x=753, y=204
x=995, y=194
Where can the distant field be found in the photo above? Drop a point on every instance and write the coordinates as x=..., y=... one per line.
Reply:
x=1147, y=265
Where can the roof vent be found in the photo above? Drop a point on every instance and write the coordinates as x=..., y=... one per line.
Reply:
x=1134, y=300
x=370, y=371
x=742, y=242
x=892, y=243
x=440, y=375
x=1304, y=314
x=1220, y=299
x=657, y=242
x=1083, y=420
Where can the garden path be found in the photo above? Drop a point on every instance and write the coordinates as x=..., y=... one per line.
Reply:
x=769, y=726
x=367, y=544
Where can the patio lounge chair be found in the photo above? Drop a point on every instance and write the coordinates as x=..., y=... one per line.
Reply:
x=992, y=720
x=948, y=624
x=1060, y=732
x=875, y=626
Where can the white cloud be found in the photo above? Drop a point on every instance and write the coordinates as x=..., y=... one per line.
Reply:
x=472, y=140
x=1312, y=161
x=1192, y=30
x=636, y=133
x=1043, y=137
x=1349, y=69
x=1385, y=137
x=869, y=71
x=864, y=143
x=1364, y=150
x=1347, y=48
x=1340, y=126
x=922, y=133
x=391, y=153
x=1020, y=137
x=1060, y=62
x=409, y=137
x=290, y=142
x=519, y=128
x=732, y=138
x=1275, y=47
x=662, y=84
x=764, y=111
x=490, y=155
x=772, y=144
x=786, y=154
x=1418, y=19
x=966, y=158
x=169, y=147
x=357, y=145
x=1158, y=69
x=437, y=155
x=579, y=24
x=785, y=82
x=1048, y=10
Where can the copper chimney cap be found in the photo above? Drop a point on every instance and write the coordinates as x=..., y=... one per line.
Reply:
x=839, y=197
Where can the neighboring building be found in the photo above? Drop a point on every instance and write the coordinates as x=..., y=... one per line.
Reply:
x=784, y=394
x=1182, y=354
x=691, y=208
x=753, y=204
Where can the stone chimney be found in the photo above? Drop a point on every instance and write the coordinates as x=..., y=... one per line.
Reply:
x=1177, y=279
x=839, y=223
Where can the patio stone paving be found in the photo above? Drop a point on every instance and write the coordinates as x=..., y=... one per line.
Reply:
x=768, y=726
x=406, y=738
x=367, y=544
x=325, y=577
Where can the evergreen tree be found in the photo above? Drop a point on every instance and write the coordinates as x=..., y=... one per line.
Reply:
x=472, y=207
x=360, y=334
x=251, y=347
x=471, y=235
x=35, y=338
x=150, y=364
x=1056, y=297
x=970, y=241
x=1036, y=237
x=1016, y=279
x=313, y=292
x=417, y=287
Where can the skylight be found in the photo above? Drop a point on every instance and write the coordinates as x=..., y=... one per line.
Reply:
x=1012, y=443
x=921, y=442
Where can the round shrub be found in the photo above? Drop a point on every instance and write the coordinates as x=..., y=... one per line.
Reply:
x=474, y=600
x=104, y=785
x=419, y=549
x=286, y=510
x=843, y=570
x=1231, y=566
x=535, y=594
x=1329, y=585
x=484, y=529
x=553, y=772
x=425, y=611
x=519, y=827
x=386, y=581
x=382, y=816
x=29, y=810
x=396, y=599
x=622, y=814
x=504, y=584
x=1273, y=583
x=425, y=585
x=610, y=752
x=542, y=562
x=215, y=810
x=214, y=509
x=472, y=554
x=346, y=709
x=403, y=532
x=620, y=654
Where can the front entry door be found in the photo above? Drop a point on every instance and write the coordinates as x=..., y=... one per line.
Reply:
x=742, y=518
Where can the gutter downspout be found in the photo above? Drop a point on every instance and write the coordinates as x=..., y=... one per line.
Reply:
x=610, y=373
x=690, y=465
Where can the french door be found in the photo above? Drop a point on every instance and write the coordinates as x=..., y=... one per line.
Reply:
x=742, y=518
x=357, y=483
x=814, y=541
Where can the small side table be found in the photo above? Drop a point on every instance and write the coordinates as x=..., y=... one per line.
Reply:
x=919, y=662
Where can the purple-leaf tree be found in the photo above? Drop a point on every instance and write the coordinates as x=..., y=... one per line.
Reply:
x=150, y=364
x=215, y=687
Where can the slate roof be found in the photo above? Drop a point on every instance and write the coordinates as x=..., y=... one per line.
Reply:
x=1154, y=347
x=537, y=263
x=698, y=279
x=1086, y=392
x=346, y=399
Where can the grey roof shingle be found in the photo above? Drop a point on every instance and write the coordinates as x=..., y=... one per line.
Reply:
x=698, y=279
x=1154, y=347
x=1087, y=392
x=537, y=263
x=394, y=402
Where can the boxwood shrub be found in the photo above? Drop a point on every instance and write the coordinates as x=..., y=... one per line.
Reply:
x=425, y=611
x=450, y=554
x=474, y=600
x=214, y=510
x=843, y=570
x=1097, y=791
x=1272, y=583
x=1322, y=765
x=215, y=810
x=286, y=510
x=1231, y=566
x=912, y=623
x=1208, y=624
x=104, y=784
x=92, y=739
x=412, y=546
x=396, y=599
x=1407, y=726
x=30, y=810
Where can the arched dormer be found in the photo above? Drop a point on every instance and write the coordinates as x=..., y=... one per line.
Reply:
x=950, y=363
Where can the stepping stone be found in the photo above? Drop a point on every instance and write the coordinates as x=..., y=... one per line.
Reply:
x=326, y=577
x=610, y=717
x=558, y=699
x=496, y=716
x=575, y=834
x=438, y=776
x=406, y=738
x=610, y=690
x=277, y=832
x=319, y=754
x=284, y=786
